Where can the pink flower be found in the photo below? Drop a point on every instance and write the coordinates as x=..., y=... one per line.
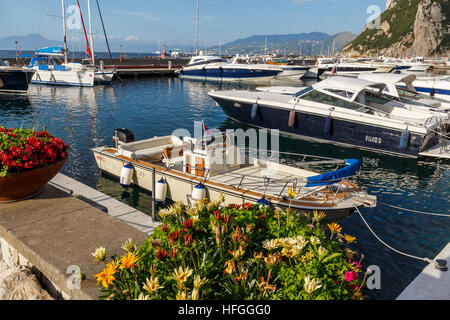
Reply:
x=350, y=276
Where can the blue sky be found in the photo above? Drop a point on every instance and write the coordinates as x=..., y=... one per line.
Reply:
x=172, y=21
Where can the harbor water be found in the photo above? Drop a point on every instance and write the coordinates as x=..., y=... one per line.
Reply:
x=86, y=117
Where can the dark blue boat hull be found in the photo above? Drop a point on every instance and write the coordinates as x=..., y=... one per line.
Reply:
x=228, y=73
x=329, y=130
x=15, y=80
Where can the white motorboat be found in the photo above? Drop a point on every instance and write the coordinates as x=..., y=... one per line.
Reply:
x=213, y=68
x=192, y=169
x=340, y=67
x=438, y=87
x=401, y=88
x=342, y=110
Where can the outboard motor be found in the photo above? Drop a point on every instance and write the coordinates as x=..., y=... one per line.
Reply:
x=121, y=136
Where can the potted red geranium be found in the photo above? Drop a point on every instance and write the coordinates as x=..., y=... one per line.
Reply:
x=28, y=160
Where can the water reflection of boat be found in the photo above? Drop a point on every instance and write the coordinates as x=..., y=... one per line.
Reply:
x=192, y=169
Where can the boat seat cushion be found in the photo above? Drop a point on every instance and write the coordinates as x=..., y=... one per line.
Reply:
x=149, y=152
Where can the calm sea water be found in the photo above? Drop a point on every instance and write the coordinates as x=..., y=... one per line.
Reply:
x=86, y=117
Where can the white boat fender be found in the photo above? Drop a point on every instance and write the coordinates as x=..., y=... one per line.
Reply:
x=160, y=190
x=254, y=110
x=404, y=139
x=198, y=192
x=126, y=174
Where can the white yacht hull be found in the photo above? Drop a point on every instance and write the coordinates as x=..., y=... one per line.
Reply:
x=64, y=78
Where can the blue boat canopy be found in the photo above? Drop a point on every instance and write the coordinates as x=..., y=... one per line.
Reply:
x=352, y=165
x=50, y=51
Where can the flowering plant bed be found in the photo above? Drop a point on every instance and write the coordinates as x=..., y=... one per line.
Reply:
x=208, y=251
x=27, y=149
x=28, y=160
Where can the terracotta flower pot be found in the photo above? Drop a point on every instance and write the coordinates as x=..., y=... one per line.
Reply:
x=27, y=184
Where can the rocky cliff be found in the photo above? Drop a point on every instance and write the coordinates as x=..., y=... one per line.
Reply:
x=407, y=27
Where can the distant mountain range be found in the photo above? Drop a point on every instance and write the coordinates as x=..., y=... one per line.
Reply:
x=313, y=43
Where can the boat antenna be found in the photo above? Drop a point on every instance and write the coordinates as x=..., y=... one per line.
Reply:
x=104, y=32
x=196, y=40
x=64, y=30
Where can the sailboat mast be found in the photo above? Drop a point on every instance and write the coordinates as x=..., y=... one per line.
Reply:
x=64, y=30
x=91, y=37
x=196, y=41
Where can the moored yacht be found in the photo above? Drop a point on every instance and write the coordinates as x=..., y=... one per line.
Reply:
x=213, y=68
x=14, y=79
x=191, y=169
x=51, y=71
x=438, y=87
x=342, y=110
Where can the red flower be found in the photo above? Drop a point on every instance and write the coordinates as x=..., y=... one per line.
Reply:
x=187, y=223
x=161, y=254
x=350, y=276
x=217, y=215
x=174, y=235
x=187, y=240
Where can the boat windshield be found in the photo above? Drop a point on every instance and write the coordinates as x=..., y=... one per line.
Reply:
x=410, y=95
x=3, y=64
x=322, y=97
x=201, y=61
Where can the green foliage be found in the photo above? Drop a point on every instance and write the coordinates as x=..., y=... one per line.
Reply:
x=209, y=251
x=400, y=17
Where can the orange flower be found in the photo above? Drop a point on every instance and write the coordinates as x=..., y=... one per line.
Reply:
x=334, y=227
x=106, y=277
x=129, y=261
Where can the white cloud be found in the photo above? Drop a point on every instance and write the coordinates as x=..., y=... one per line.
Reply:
x=139, y=14
x=131, y=38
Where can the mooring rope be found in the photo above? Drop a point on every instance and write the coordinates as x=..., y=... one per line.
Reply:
x=415, y=211
x=436, y=263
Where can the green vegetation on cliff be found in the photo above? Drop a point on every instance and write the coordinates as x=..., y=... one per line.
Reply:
x=400, y=18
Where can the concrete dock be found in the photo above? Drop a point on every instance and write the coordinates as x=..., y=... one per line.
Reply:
x=56, y=232
x=431, y=283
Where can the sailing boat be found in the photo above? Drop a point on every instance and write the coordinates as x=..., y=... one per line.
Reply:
x=102, y=75
x=49, y=71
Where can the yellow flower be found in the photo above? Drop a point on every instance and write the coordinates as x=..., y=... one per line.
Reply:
x=106, y=277
x=314, y=240
x=152, y=269
x=129, y=261
x=270, y=244
x=334, y=227
x=318, y=215
x=229, y=267
x=152, y=284
x=291, y=192
x=348, y=238
x=181, y=295
x=143, y=296
x=322, y=251
x=272, y=260
x=99, y=254
x=199, y=282
x=129, y=245
x=308, y=256
x=195, y=295
x=238, y=253
x=311, y=285
x=180, y=275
